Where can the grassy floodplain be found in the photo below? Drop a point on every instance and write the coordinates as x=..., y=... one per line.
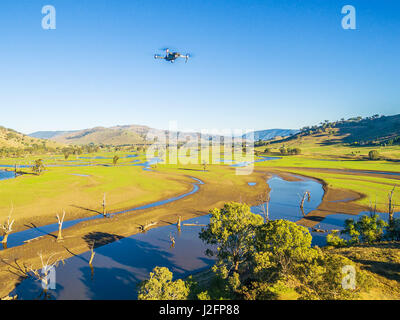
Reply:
x=79, y=190
x=330, y=146
x=36, y=199
x=342, y=174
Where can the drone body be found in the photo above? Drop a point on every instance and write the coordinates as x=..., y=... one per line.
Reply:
x=172, y=56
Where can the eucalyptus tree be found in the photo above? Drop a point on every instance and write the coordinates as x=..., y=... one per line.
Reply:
x=231, y=233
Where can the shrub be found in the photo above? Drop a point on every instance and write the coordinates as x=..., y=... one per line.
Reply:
x=283, y=150
x=369, y=229
x=161, y=287
x=373, y=155
x=333, y=239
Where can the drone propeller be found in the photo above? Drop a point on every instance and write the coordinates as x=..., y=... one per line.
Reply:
x=187, y=56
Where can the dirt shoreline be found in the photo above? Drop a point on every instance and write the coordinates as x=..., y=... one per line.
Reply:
x=78, y=238
x=334, y=201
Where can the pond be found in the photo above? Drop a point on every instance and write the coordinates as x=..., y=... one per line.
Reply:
x=337, y=222
x=6, y=175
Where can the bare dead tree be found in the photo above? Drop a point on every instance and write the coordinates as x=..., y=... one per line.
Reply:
x=307, y=196
x=92, y=254
x=372, y=207
x=179, y=223
x=60, y=220
x=263, y=204
x=391, y=205
x=172, y=239
x=7, y=228
x=104, y=205
x=45, y=274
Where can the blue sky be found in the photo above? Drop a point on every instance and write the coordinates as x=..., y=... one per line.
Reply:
x=256, y=65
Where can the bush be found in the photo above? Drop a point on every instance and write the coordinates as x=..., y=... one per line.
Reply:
x=161, y=287
x=293, y=151
x=297, y=151
x=333, y=239
x=324, y=279
x=369, y=229
x=373, y=155
x=280, y=244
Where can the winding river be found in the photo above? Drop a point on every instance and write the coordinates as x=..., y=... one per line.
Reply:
x=121, y=265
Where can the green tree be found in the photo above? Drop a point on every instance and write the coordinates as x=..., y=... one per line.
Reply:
x=369, y=229
x=160, y=286
x=280, y=244
x=38, y=167
x=283, y=150
x=286, y=266
x=231, y=232
x=296, y=151
x=373, y=155
x=324, y=278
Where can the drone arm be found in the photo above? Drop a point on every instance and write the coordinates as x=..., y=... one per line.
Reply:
x=156, y=56
x=186, y=57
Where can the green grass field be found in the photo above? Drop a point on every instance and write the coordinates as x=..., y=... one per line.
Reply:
x=127, y=185
x=59, y=188
x=329, y=146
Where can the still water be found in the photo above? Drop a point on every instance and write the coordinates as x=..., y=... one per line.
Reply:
x=119, y=266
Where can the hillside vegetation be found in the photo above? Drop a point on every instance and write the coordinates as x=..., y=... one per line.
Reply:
x=373, y=131
x=347, y=139
x=12, y=142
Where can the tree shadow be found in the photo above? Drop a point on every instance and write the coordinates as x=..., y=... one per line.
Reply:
x=101, y=238
x=389, y=270
x=87, y=209
x=120, y=277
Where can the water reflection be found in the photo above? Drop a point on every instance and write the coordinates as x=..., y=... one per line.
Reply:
x=19, y=238
x=119, y=266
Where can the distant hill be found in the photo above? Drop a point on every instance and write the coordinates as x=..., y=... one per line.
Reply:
x=374, y=130
x=269, y=134
x=10, y=138
x=118, y=135
x=48, y=134
x=370, y=130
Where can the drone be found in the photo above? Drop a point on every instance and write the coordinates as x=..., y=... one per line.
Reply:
x=172, y=56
